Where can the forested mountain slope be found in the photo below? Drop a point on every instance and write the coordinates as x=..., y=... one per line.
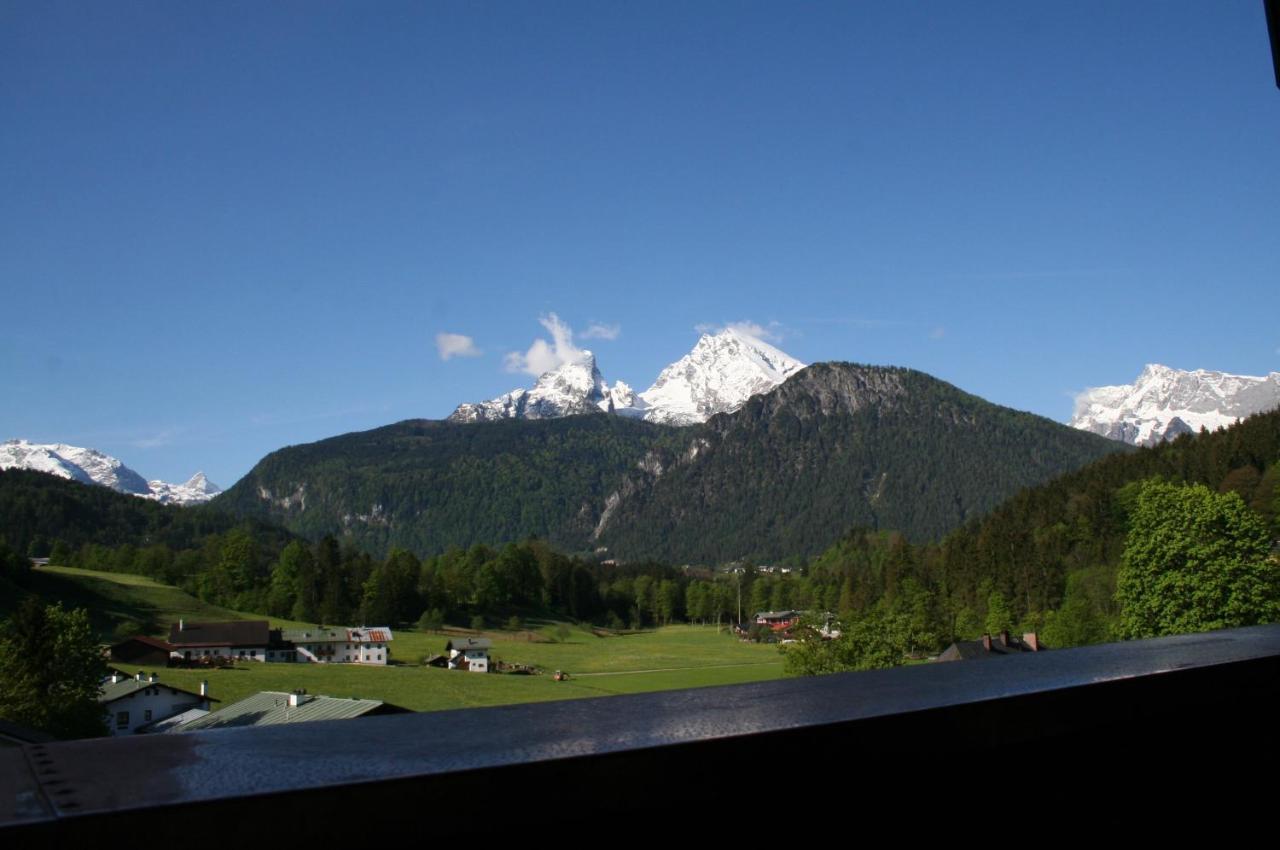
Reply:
x=835, y=446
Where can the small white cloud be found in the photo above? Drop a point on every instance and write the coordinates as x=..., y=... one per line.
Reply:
x=543, y=356
x=938, y=333
x=456, y=345
x=773, y=332
x=599, y=330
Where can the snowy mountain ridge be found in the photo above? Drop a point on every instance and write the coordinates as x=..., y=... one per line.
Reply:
x=718, y=376
x=1164, y=403
x=575, y=387
x=90, y=466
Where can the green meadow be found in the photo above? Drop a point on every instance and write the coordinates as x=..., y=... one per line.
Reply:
x=598, y=663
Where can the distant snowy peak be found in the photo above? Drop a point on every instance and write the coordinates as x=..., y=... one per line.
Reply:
x=721, y=372
x=197, y=490
x=1163, y=403
x=90, y=466
x=575, y=387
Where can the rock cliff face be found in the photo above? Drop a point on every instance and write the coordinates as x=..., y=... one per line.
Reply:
x=1164, y=403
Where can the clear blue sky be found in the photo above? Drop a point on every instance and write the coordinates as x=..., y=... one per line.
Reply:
x=229, y=227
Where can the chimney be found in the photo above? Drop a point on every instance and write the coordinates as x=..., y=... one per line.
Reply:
x=140, y=676
x=986, y=642
x=155, y=677
x=204, y=689
x=182, y=626
x=298, y=698
x=115, y=678
x=1032, y=641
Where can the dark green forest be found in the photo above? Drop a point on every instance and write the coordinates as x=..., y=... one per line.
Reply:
x=836, y=446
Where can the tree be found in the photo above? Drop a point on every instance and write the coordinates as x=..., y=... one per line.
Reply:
x=1194, y=560
x=50, y=670
x=876, y=640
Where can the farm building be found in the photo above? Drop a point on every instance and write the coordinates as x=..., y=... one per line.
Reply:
x=255, y=640
x=469, y=654
x=144, y=650
x=362, y=645
x=246, y=640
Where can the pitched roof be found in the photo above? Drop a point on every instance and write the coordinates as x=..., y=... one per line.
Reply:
x=170, y=724
x=155, y=643
x=967, y=650
x=272, y=707
x=463, y=644
x=112, y=691
x=236, y=633
x=361, y=634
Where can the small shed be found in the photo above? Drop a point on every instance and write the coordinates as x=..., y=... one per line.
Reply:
x=140, y=649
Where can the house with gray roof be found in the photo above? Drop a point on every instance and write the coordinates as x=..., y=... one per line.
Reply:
x=269, y=708
x=137, y=701
x=469, y=654
x=339, y=645
x=992, y=647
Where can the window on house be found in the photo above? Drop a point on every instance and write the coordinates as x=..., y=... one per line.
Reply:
x=122, y=720
x=146, y=716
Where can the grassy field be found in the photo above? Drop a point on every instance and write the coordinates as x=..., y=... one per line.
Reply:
x=660, y=659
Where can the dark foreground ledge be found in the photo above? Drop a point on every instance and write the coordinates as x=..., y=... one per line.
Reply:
x=1128, y=710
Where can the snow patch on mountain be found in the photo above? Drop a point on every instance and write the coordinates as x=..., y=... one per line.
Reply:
x=90, y=466
x=1164, y=403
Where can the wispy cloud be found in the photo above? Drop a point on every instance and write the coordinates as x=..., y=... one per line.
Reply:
x=262, y=420
x=599, y=330
x=772, y=332
x=1032, y=274
x=544, y=356
x=938, y=333
x=163, y=438
x=456, y=345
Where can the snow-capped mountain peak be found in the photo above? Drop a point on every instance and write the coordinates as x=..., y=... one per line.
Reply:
x=90, y=466
x=573, y=387
x=197, y=489
x=721, y=372
x=1164, y=402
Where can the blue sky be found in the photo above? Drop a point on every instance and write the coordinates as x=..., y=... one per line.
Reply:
x=225, y=228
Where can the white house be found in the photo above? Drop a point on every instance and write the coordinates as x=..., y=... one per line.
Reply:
x=138, y=701
x=469, y=654
x=360, y=645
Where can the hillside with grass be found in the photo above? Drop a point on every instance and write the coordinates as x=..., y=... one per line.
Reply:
x=600, y=662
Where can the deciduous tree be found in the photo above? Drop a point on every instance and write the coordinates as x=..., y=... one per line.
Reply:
x=50, y=670
x=1194, y=560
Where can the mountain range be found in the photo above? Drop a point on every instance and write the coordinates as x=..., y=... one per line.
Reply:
x=1164, y=403
x=834, y=446
x=90, y=466
x=718, y=376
